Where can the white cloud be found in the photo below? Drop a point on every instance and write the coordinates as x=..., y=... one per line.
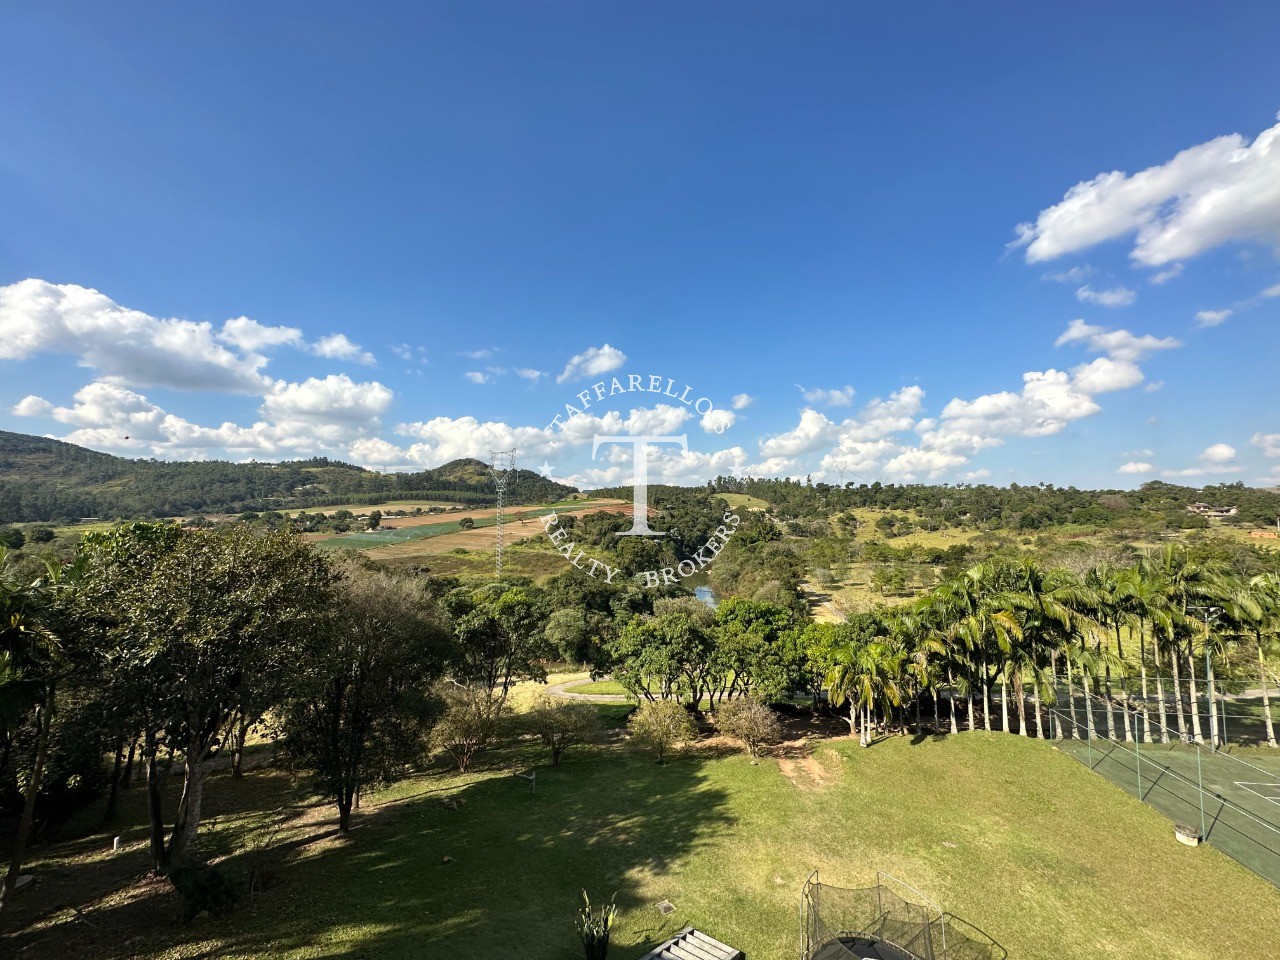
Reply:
x=476, y=376
x=1117, y=344
x=910, y=465
x=1211, y=318
x=1210, y=194
x=812, y=432
x=1272, y=291
x=838, y=397
x=718, y=421
x=1218, y=453
x=485, y=354
x=1145, y=452
x=1269, y=442
x=1134, y=466
x=251, y=336
x=1201, y=471
x=1153, y=386
x=530, y=374
x=335, y=398
x=592, y=362
x=1074, y=275
x=1117, y=297
x=32, y=406
x=980, y=474
x=1104, y=374
x=742, y=400
x=1164, y=276
x=336, y=346
x=126, y=345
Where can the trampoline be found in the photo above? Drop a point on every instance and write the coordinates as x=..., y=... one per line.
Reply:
x=890, y=921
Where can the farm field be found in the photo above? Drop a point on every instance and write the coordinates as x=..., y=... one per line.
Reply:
x=1000, y=830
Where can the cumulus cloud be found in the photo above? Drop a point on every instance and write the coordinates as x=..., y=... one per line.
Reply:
x=475, y=376
x=838, y=397
x=530, y=374
x=336, y=346
x=592, y=362
x=1269, y=442
x=1074, y=275
x=336, y=398
x=32, y=406
x=1218, y=453
x=251, y=336
x=1104, y=374
x=1211, y=318
x=742, y=400
x=129, y=346
x=717, y=420
x=1272, y=291
x=1164, y=276
x=1136, y=466
x=1213, y=193
x=813, y=432
x=1117, y=297
x=1117, y=344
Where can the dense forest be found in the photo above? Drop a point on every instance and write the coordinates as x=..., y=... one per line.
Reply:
x=49, y=481
x=1153, y=506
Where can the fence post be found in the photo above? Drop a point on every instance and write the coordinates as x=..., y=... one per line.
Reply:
x=1200, y=792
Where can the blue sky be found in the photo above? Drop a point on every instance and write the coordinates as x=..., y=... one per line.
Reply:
x=268, y=231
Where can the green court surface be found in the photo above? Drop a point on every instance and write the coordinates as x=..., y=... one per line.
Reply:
x=1232, y=802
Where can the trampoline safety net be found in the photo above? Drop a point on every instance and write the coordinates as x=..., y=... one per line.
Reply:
x=890, y=920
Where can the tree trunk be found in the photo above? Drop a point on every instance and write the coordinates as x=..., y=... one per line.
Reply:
x=1266, y=698
x=155, y=807
x=1211, y=693
x=1196, y=733
x=1177, y=689
x=1146, y=706
x=114, y=796
x=1071, y=702
x=951, y=699
x=853, y=719
x=126, y=780
x=1004, y=703
x=1124, y=713
x=237, y=752
x=44, y=724
x=1086, y=684
x=1035, y=700
x=1155, y=661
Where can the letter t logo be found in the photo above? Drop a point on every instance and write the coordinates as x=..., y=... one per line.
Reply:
x=640, y=478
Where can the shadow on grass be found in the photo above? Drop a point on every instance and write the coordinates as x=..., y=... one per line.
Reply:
x=500, y=875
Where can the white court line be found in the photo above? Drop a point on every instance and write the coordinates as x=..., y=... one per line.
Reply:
x=1272, y=788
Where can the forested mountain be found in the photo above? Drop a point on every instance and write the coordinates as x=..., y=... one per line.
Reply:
x=43, y=480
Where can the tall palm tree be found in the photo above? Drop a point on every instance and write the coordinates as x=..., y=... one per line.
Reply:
x=865, y=676
x=1264, y=625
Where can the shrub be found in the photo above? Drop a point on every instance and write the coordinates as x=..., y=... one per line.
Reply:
x=749, y=720
x=560, y=723
x=470, y=723
x=659, y=725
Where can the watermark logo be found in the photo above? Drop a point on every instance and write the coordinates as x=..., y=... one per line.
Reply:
x=640, y=445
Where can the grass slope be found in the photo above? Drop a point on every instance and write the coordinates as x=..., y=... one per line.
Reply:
x=1010, y=835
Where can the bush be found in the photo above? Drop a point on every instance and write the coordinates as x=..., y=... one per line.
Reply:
x=749, y=720
x=659, y=725
x=470, y=723
x=560, y=723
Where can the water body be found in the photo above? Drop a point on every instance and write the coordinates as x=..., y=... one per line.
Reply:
x=702, y=590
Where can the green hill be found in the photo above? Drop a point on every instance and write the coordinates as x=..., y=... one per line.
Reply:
x=43, y=480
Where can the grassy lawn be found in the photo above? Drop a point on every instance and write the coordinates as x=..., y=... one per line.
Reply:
x=1008, y=834
x=743, y=501
x=598, y=688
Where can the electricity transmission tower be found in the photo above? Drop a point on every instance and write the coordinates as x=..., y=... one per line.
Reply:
x=503, y=467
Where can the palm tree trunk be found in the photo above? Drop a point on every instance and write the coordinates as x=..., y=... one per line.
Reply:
x=951, y=699
x=1004, y=703
x=1086, y=684
x=1155, y=662
x=1021, y=702
x=1142, y=658
x=1213, y=706
x=1035, y=700
x=1071, y=702
x=1196, y=733
x=1266, y=698
x=986, y=699
x=937, y=722
x=969, y=698
x=1177, y=689
x=1124, y=712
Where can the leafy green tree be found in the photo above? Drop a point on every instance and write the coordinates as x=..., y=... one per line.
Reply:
x=751, y=721
x=195, y=627
x=363, y=707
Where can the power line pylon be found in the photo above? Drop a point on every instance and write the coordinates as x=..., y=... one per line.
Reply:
x=502, y=464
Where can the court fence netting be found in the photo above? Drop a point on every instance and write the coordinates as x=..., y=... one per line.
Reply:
x=891, y=920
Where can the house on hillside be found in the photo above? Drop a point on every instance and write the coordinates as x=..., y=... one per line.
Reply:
x=1207, y=510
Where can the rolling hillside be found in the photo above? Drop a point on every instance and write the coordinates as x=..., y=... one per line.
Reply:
x=43, y=480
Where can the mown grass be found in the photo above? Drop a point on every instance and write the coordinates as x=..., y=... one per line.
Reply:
x=598, y=688
x=1009, y=834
